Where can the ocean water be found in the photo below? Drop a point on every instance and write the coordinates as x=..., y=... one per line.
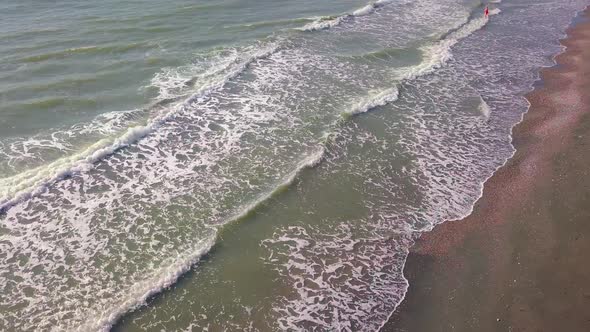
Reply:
x=246, y=165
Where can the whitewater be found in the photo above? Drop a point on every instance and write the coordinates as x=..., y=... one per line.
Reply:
x=213, y=170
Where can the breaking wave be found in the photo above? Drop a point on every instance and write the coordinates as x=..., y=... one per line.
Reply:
x=30, y=183
x=326, y=22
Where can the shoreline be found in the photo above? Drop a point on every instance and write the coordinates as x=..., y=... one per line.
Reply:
x=484, y=272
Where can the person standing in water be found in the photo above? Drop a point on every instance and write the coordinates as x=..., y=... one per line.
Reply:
x=486, y=12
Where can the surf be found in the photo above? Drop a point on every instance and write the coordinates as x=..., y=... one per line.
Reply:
x=228, y=90
x=327, y=22
x=31, y=183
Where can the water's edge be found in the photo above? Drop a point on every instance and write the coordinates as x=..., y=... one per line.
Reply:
x=573, y=23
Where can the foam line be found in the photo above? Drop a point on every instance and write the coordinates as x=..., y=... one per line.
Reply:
x=143, y=290
x=380, y=99
x=31, y=183
x=310, y=161
x=484, y=108
x=439, y=54
x=364, y=10
x=326, y=22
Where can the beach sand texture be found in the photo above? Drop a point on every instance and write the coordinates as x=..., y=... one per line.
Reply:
x=520, y=261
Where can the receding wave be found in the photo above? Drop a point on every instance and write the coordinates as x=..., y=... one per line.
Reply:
x=310, y=161
x=32, y=182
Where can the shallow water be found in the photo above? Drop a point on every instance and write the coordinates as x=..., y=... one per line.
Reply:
x=246, y=164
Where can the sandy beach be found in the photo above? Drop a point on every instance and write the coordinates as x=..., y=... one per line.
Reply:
x=519, y=261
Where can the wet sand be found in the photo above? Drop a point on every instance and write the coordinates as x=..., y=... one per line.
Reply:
x=521, y=261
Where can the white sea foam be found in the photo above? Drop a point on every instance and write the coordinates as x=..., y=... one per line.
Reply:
x=368, y=9
x=327, y=22
x=495, y=11
x=383, y=2
x=309, y=161
x=307, y=313
x=323, y=23
x=32, y=182
x=141, y=291
x=196, y=151
x=205, y=70
x=353, y=275
x=298, y=254
x=438, y=54
x=484, y=108
x=374, y=100
x=307, y=268
x=32, y=151
x=364, y=10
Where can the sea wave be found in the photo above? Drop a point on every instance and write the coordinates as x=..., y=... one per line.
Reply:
x=143, y=290
x=484, y=108
x=435, y=56
x=326, y=22
x=310, y=161
x=439, y=53
x=30, y=183
x=177, y=266
x=380, y=98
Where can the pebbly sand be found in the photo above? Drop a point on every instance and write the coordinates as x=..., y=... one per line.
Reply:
x=521, y=261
